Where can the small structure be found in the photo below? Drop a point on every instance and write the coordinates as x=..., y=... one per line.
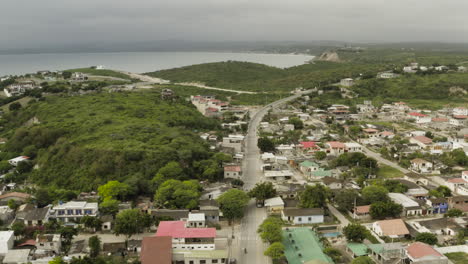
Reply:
x=233, y=171
x=156, y=248
x=361, y=212
x=7, y=239
x=348, y=82
x=234, y=142
x=78, y=77
x=394, y=228
x=49, y=242
x=196, y=220
x=167, y=94
x=303, y=215
x=410, y=207
x=15, y=161
x=274, y=205
x=421, y=165
x=17, y=256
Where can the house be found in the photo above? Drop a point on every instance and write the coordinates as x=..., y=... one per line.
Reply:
x=386, y=253
x=15, y=161
x=107, y=222
x=17, y=256
x=234, y=142
x=232, y=171
x=438, y=226
x=353, y=147
x=307, y=167
x=347, y=82
x=335, y=148
x=7, y=239
x=78, y=77
x=6, y=214
x=387, y=134
x=422, y=141
x=332, y=183
x=361, y=212
x=73, y=211
x=49, y=242
x=301, y=246
x=19, y=88
x=458, y=186
x=370, y=132
x=410, y=207
x=459, y=202
x=33, y=216
x=419, y=252
x=438, y=205
x=274, y=205
x=17, y=196
x=308, y=147
x=279, y=175
x=300, y=216
x=460, y=111
x=387, y=75
x=211, y=210
x=421, y=166
x=419, y=117
x=394, y=228
x=196, y=220
x=187, y=238
x=459, y=120
x=156, y=250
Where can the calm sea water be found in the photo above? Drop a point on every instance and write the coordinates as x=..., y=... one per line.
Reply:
x=136, y=61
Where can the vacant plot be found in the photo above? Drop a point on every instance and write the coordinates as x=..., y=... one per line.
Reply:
x=389, y=172
x=458, y=257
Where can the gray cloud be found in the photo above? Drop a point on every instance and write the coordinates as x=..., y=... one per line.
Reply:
x=30, y=23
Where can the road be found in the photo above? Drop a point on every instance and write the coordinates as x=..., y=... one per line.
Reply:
x=247, y=235
x=343, y=220
x=153, y=80
x=379, y=158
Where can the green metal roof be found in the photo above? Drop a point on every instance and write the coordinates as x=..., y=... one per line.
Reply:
x=308, y=164
x=322, y=173
x=358, y=249
x=306, y=243
x=377, y=248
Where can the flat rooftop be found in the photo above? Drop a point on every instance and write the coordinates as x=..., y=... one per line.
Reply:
x=303, y=245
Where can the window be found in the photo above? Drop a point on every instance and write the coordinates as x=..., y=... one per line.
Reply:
x=191, y=262
x=202, y=261
x=310, y=218
x=214, y=261
x=51, y=244
x=61, y=212
x=41, y=244
x=299, y=219
x=69, y=212
x=88, y=212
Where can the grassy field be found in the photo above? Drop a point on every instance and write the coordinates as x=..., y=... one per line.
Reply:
x=104, y=72
x=458, y=257
x=389, y=172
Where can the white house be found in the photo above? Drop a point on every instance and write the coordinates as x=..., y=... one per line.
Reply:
x=73, y=211
x=15, y=161
x=419, y=117
x=196, y=220
x=274, y=205
x=347, y=82
x=410, y=207
x=460, y=111
x=335, y=148
x=300, y=216
x=7, y=239
x=421, y=166
x=233, y=141
x=353, y=147
x=49, y=242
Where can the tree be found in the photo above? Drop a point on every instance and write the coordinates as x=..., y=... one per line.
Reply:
x=374, y=193
x=271, y=229
x=43, y=197
x=355, y=232
x=175, y=194
x=444, y=190
x=381, y=210
x=320, y=155
x=427, y=238
x=91, y=222
x=113, y=190
x=13, y=205
x=110, y=207
x=94, y=244
x=314, y=196
x=266, y=145
x=263, y=191
x=67, y=233
x=395, y=186
x=171, y=170
x=232, y=204
x=346, y=199
x=333, y=253
x=18, y=228
x=130, y=222
x=298, y=124
x=66, y=74
x=275, y=251
x=363, y=260
x=14, y=106
x=454, y=212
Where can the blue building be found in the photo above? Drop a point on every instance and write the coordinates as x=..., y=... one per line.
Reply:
x=439, y=205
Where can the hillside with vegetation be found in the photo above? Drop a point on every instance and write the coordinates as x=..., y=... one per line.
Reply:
x=101, y=72
x=81, y=142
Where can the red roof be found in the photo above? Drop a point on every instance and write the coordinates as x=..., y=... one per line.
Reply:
x=211, y=109
x=362, y=209
x=423, y=139
x=177, y=229
x=417, y=114
x=457, y=180
x=308, y=144
x=29, y=242
x=387, y=133
x=460, y=116
x=439, y=119
x=156, y=250
x=235, y=168
x=370, y=130
x=336, y=144
x=420, y=250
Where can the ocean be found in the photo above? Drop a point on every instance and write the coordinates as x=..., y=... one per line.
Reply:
x=138, y=62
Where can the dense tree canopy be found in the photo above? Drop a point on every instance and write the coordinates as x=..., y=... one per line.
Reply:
x=355, y=232
x=130, y=222
x=263, y=191
x=375, y=193
x=382, y=210
x=427, y=238
x=232, y=203
x=175, y=194
x=314, y=196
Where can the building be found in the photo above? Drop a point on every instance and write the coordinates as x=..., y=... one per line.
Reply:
x=419, y=252
x=185, y=238
x=302, y=245
x=234, y=142
x=459, y=202
x=361, y=212
x=196, y=220
x=460, y=111
x=33, y=216
x=280, y=175
x=410, y=207
x=274, y=205
x=167, y=94
x=73, y=211
x=19, y=88
x=421, y=166
x=232, y=171
x=438, y=205
x=15, y=161
x=49, y=242
x=394, y=228
x=307, y=167
x=347, y=82
x=332, y=183
x=422, y=141
x=156, y=250
x=7, y=239
x=308, y=147
x=353, y=147
x=419, y=117
x=387, y=75
x=335, y=148
x=17, y=256
x=79, y=77
x=299, y=216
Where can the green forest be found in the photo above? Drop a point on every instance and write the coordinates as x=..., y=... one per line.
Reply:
x=81, y=142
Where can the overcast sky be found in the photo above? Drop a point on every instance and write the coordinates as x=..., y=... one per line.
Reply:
x=32, y=23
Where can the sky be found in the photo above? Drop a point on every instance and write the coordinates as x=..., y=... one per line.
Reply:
x=32, y=23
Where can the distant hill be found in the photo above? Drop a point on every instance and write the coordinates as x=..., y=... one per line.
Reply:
x=84, y=141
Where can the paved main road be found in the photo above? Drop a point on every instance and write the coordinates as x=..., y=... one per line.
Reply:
x=247, y=236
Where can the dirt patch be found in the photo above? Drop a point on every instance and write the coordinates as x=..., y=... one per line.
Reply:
x=329, y=56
